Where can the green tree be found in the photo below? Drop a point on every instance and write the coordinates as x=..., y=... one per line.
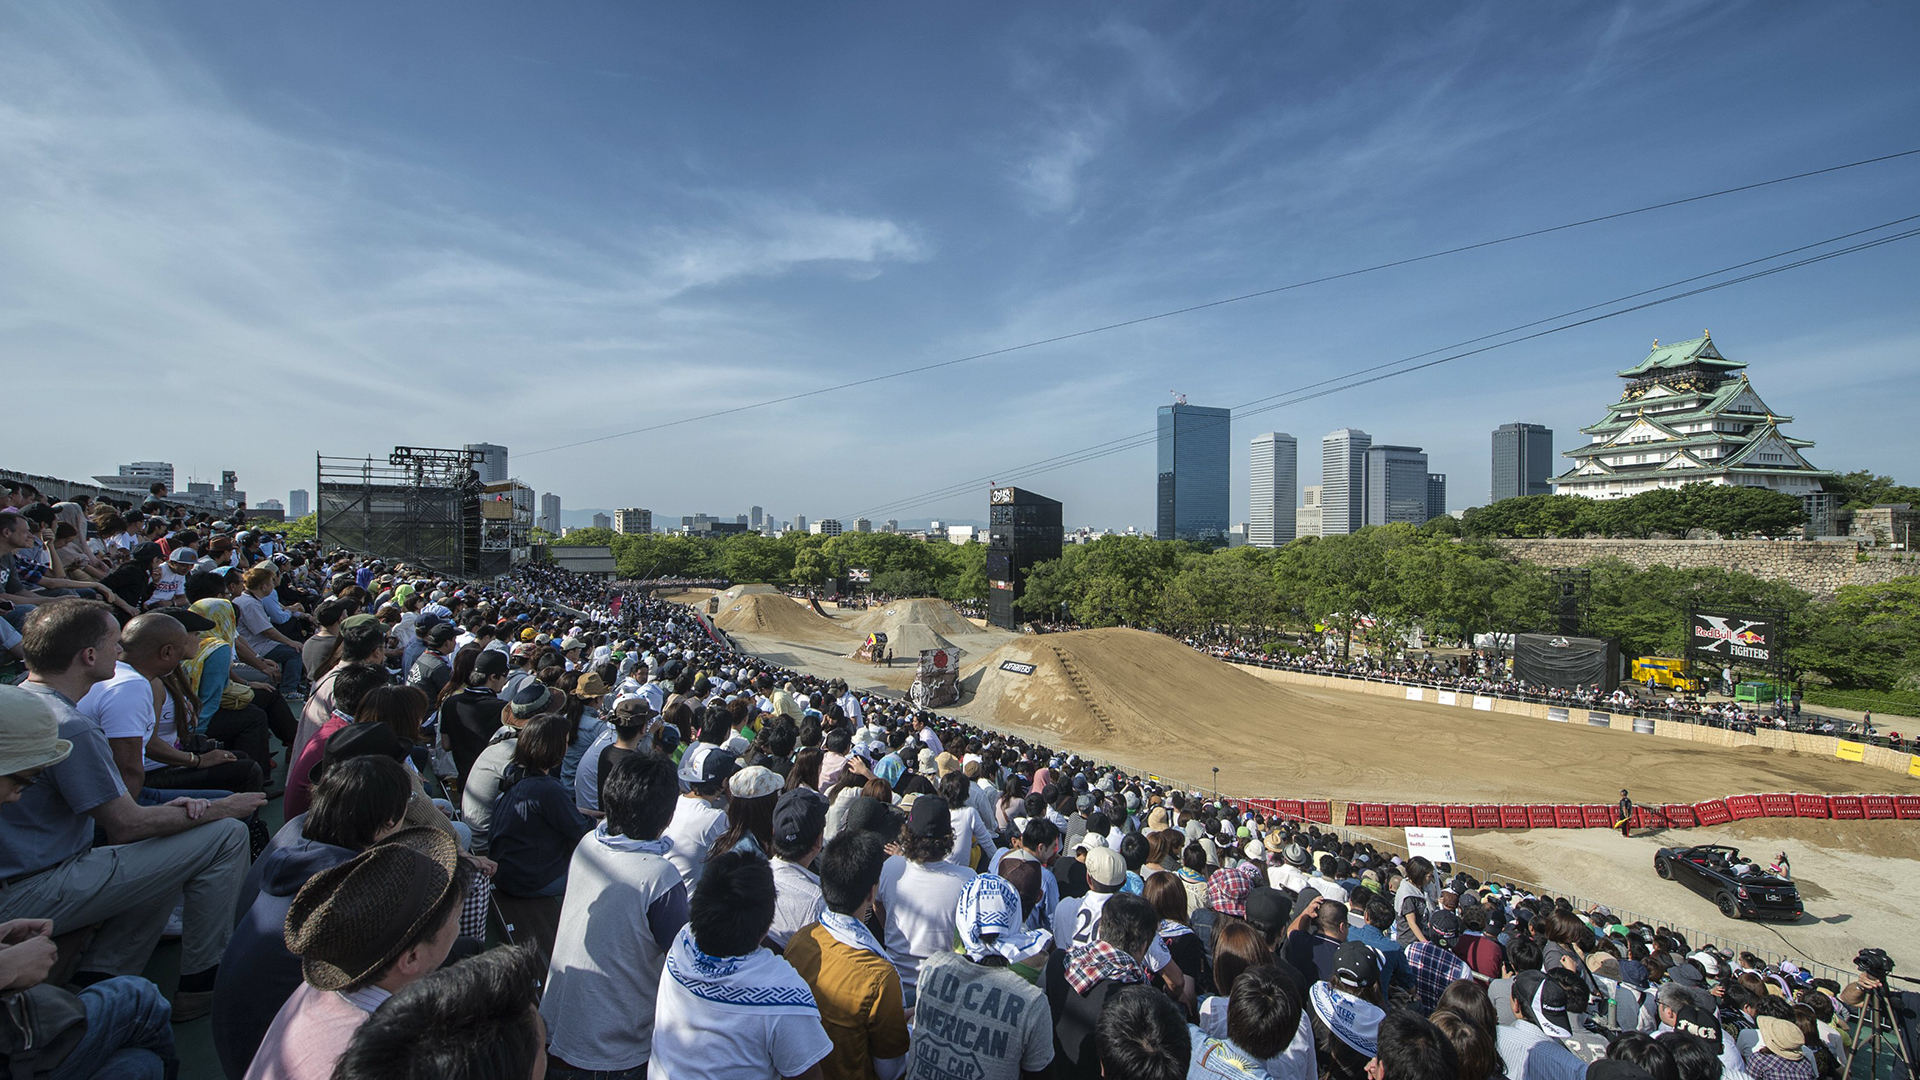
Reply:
x=1867, y=637
x=1861, y=488
x=303, y=528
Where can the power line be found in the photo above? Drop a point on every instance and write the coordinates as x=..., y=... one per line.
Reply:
x=1056, y=339
x=1353, y=379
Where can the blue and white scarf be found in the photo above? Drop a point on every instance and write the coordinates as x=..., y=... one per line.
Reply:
x=989, y=922
x=851, y=932
x=627, y=843
x=758, y=982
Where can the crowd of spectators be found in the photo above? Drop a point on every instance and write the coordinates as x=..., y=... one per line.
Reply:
x=709, y=865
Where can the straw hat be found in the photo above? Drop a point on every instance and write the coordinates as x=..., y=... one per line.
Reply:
x=350, y=922
x=29, y=732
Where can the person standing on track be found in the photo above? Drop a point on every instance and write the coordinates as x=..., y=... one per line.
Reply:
x=1626, y=814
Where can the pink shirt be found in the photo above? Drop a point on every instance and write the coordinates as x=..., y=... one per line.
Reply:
x=309, y=1034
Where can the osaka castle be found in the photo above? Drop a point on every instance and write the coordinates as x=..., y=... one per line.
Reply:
x=1690, y=416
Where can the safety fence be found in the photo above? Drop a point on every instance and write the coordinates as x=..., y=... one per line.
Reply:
x=1592, y=815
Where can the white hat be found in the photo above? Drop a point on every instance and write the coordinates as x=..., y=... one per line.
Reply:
x=29, y=732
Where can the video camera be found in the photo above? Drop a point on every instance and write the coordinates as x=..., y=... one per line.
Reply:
x=1874, y=962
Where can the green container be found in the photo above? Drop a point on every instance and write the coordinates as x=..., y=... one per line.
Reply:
x=1760, y=692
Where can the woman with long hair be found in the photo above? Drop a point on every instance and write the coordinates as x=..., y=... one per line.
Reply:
x=1237, y=946
x=806, y=770
x=753, y=792
x=1169, y=900
x=535, y=825
x=458, y=676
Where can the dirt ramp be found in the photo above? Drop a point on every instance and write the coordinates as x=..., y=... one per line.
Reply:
x=774, y=615
x=1136, y=689
x=907, y=639
x=936, y=615
x=732, y=596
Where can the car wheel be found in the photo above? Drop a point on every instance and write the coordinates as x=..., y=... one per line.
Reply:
x=1664, y=867
x=1728, y=908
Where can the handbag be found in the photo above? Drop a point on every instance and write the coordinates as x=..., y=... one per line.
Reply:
x=41, y=1026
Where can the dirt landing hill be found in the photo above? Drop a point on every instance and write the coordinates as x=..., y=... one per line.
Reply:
x=769, y=614
x=936, y=615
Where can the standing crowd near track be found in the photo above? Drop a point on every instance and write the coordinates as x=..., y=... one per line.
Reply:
x=540, y=827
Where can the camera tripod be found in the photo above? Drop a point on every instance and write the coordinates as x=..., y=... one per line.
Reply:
x=1879, y=1040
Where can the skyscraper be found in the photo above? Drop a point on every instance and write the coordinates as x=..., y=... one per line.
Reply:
x=1343, y=481
x=1307, y=523
x=1396, y=481
x=1275, y=474
x=602, y=521
x=633, y=521
x=297, y=503
x=550, y=513
x=1522, y=461
x=492, y=464
x=1436, y=495
x=755, y=517
x=1193, y=473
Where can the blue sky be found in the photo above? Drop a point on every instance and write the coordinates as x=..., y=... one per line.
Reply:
x=232, y=235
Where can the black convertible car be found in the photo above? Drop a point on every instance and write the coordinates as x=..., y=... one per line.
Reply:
x=1741, y=887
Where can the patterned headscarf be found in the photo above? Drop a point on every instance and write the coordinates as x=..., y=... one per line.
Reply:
x=221, y=613
x=989, y=922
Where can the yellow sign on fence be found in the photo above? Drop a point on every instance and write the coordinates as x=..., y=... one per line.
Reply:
x=1913, y=765
x=1850, y=751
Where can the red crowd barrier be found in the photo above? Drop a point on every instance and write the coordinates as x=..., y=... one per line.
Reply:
x=1712, y=812
x=1288, y=808
x=1430, y=815
x=1486, y=816
x=1846, y=807
x=1401, y=815
x=1814, y=806
x=1374, y=814
x=1680, y=815
x=1778, y=805
x=1459, y=817
x=1879, y=806
x=1540, y=816
x=1907, y=806
x=1319, y=810
x=1569, y=816
x=1743, y=807
x=1513, y=817
x=1597, y=816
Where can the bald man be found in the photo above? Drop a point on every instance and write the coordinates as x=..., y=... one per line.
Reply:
x=136, y=712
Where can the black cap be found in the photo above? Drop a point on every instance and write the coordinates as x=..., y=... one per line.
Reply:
x=1697, y=1021
x=442, y=634
x=490, y=662
x=194, y=621
x=1356, y=965
x=799, y=818
x=1268, y=908
x=365, y=739
x=1445, y=925
x=930, y=816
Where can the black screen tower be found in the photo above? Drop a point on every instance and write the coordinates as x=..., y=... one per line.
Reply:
x=1023, y=529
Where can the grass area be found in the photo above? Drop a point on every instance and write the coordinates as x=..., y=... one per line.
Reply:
x=1900, y=702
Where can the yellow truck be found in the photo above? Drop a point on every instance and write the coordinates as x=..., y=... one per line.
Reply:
x=1666, y=672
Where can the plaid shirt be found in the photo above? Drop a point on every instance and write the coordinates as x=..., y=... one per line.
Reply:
x=1433, y=969
x=1763, y=1065
x=1227, y=889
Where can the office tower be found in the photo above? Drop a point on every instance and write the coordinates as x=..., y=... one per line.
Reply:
x=602, y=521
x=297, y=503
x=826, y=527
x=756, y=517
x=800, y=523
x=1436, y=495
x=1275, y=475
x=1343, y=481
x=1522, y=461
x=861, y=525
x=492, y=462
x=550, y=513
x=1396, y=485
x=1307, y=519
x=1023, y=529
x=633, y=521
x=1192, y=473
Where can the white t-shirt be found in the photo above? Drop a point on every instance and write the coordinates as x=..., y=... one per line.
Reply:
x=168, y=587
x=920, y=899
x=969, y=830
x=123, y=707
x=1077, y=922
x=696, y=824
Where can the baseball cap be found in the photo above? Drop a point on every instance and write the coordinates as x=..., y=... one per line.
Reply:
x=184, y=555
x=1355, y=964
x=930, y=816
x=753, y=782
x=799, y=816
x=1105, y=867
x=704, y=763
x=1445, y=924
x=1697, y=1021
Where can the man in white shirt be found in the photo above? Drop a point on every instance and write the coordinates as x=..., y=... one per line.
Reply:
x=920, y=890
x=701, y=815
x=799, y=828
x=1528, y=1048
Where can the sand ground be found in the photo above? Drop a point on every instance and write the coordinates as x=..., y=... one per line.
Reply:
x=1153, y=705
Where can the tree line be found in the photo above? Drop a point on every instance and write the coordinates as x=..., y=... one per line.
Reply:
x=1375, y=585
x=900, y=565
